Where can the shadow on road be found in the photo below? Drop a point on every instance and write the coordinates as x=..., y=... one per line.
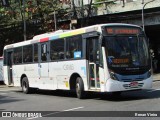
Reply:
x=132, y=95
x=58, y=93
x=7, y=99
x=125, y=96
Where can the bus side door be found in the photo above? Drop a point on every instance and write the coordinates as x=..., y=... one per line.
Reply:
x=93, y=58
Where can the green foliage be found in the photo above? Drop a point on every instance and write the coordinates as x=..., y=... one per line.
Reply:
x=38, y=16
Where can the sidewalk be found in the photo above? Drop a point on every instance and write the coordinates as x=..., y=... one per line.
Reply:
x=156, y=77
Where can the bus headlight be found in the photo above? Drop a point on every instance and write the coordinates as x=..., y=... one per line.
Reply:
x=113, y=76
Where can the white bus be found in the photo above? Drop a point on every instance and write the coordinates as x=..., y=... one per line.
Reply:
x=103, y=58
x=1, y=70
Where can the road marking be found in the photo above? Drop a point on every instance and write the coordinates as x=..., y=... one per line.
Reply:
x=74, y=109
x=152, y=90
x=3, y=93
x=57, y=112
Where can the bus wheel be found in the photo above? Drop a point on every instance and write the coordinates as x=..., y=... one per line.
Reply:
x=25, y=85
x=80, y=88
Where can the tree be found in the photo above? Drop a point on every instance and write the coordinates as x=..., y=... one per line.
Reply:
x=37, y=15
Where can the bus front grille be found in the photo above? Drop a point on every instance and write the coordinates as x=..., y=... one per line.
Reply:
x=128, y=86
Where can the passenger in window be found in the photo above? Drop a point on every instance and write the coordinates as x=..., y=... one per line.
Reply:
x=61, y=55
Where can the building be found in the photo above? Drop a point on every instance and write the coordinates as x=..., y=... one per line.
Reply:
x=125, y=11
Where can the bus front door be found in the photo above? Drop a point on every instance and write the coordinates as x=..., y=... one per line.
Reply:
x=93, y=58
x=9, y=67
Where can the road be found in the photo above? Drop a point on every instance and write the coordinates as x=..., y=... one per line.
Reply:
x=12, y=99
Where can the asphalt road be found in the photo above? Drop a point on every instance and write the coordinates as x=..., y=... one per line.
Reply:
x=12, y=99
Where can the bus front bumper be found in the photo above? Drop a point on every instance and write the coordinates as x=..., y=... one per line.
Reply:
x=114, y=85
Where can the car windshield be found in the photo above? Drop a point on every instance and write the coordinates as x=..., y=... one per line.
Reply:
x=126, y=51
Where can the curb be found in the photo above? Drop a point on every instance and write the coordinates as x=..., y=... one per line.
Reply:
x=156, y=80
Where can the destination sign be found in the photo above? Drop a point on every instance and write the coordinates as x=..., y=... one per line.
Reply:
x=122, y=30
x=120, y=61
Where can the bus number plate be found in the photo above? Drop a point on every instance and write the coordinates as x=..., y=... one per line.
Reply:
x=134, y=84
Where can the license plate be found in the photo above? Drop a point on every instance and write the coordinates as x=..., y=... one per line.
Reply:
x=134, y=84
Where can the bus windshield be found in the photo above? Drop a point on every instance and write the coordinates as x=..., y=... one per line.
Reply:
x=126, y=52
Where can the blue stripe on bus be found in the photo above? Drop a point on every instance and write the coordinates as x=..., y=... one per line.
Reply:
x=54, y=37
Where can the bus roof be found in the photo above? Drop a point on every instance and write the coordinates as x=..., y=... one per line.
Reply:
x=63, y=33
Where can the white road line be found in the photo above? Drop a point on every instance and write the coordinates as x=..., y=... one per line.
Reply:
x=152, y=90
x=3, y=93
x=74, y=109
x=57, y=112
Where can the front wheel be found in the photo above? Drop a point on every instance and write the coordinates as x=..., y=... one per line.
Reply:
x=80, y=88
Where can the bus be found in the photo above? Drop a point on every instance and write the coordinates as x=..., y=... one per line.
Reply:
x=99, y=58
x=1, y=70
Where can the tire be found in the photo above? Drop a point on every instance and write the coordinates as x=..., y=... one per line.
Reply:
x=25, y=85
x=80, y=88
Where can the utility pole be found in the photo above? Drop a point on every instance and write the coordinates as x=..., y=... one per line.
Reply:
x=24, y=21
x=82, y=14
x=55, y=21
x=143, y=12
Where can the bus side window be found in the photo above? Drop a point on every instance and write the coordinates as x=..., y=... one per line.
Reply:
x=57, y=49
x=74, y=47
x=18, y=55
x=27, y=54
x=44, y=52
x=35, y=52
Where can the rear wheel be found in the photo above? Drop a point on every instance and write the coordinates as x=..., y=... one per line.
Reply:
x=80, y=88
x=25, y=85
